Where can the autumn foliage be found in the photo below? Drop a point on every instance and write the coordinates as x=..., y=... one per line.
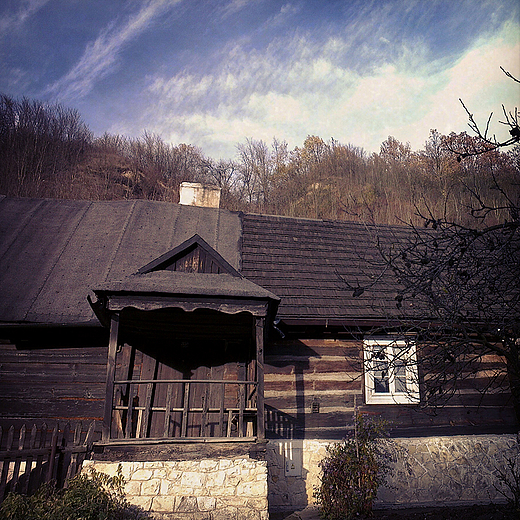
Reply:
x=48, y=151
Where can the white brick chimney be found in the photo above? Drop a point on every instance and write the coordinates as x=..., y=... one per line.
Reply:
x=195, y=194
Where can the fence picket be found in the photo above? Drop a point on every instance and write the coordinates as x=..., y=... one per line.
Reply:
x=90, y=436
x=28, y=462
x=6, y=463
x=40, y=458
x=18, y=459
x=63, y=462
x=3, y=478
x=52, y=457
x=28, y=458
x=10, y=437
x=71, y=457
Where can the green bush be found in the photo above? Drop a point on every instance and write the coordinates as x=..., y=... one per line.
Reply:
x=353, y=470
x=91, y=496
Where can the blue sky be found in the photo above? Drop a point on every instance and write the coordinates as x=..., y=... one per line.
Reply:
x=214, y=72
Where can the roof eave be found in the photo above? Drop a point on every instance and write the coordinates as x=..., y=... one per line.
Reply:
x=109, y=303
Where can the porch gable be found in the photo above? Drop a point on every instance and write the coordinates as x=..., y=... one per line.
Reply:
x=194, y=255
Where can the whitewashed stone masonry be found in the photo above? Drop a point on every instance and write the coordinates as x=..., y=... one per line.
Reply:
x=452, y=470
x=208, y=489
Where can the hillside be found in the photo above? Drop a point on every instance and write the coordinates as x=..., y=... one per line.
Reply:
x=47, y=151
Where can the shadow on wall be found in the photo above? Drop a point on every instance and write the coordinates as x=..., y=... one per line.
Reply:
x=288, y=364
x=287, y=477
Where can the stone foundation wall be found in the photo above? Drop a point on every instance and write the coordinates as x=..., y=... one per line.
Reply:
x=293, y=472
x=449, y=470
x=207, y=489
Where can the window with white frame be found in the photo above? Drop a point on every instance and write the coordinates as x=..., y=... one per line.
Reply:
x=390, y=371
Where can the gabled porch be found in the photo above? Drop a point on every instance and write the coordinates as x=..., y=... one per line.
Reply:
x=186, y=351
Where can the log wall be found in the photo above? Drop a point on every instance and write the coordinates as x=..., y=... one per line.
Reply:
x=312, y=386
x=65, y=384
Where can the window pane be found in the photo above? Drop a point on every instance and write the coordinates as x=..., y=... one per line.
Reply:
x=381, y=382
x=381, y=375
x=400, y=376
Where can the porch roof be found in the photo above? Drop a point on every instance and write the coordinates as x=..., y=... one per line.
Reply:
x=174, y=283
x=187, y=291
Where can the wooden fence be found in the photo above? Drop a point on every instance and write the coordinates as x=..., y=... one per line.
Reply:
x=29, y=458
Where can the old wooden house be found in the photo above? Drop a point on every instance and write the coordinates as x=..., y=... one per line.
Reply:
x=218, y=353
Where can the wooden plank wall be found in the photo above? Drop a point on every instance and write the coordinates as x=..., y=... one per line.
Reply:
x=195, y=261
x=312, y=385
x=299, y=373
x=52, y=384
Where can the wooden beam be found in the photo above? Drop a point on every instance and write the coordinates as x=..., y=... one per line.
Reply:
x=241, y=406
x=181, y=449
x=227, y=305
x=229, y=422
x=149, y=369
x=118, y=413
x=145, y=425
x=221, y=410
x=111, y=369
x=130, y=412
x=127, y=367
x=204, y=414
x=259, y=328
x=183, y=381
x=168, y=411
x=184, y=423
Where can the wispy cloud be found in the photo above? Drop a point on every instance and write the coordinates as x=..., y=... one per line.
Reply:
x=286, y=11
x=100, y=55
x=11, y=21
x=298, y=86
x=477, y=79
x=234, y=6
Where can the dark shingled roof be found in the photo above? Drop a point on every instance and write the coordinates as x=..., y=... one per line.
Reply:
x=315, y=266
x=53, y=253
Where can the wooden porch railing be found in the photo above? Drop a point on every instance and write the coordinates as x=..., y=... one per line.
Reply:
x=29, y=458
x=132, y=413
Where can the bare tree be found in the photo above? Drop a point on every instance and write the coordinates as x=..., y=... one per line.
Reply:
x=458, y=285
x=459, y=292
x=487, y=141
x=40, y=145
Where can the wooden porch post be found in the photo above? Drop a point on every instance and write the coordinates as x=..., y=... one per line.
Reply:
x=111, y=369
x=260, y=416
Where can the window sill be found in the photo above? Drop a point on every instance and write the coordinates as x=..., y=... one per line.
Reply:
x=392, y=399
